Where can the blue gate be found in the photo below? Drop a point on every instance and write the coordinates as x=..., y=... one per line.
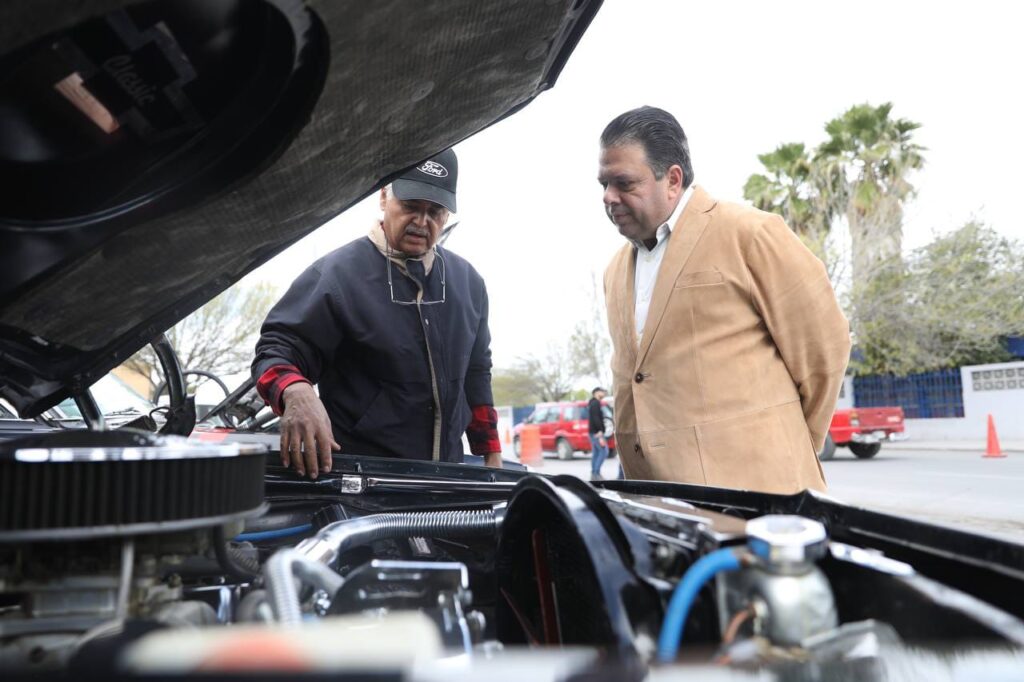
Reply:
x=922, y=396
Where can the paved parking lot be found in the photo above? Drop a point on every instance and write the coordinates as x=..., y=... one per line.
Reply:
x=958, y=488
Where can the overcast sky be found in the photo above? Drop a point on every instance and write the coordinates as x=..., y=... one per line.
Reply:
x=741, y=77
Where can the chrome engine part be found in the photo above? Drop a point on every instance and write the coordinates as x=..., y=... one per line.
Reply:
x=787, y=596
x=336, y=538
x=96, y=529
x=440, y=590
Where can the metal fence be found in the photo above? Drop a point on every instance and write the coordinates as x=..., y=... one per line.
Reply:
x=922, y=396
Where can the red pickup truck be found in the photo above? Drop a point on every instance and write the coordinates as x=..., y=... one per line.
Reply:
x=863, y=430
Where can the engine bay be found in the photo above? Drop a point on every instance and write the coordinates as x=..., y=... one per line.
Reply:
x=131, y=555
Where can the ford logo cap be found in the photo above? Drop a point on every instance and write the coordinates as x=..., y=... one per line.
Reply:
x=433, y=180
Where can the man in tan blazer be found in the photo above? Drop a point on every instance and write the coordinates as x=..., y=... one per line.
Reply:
x=729, y=344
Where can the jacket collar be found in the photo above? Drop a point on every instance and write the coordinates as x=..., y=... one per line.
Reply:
x=665, y=229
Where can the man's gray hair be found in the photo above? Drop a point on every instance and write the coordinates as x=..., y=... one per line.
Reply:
x=659, y=133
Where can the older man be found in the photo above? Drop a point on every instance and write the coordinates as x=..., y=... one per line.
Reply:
x=393, y=329
x=729, y=344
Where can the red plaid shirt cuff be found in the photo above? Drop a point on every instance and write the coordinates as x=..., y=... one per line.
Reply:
x=482, y=432
x=273, y=382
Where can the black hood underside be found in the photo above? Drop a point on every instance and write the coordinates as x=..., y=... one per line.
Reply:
x=226, y=131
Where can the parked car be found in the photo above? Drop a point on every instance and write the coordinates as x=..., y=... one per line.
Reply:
x=565, y=427
x=863, y=430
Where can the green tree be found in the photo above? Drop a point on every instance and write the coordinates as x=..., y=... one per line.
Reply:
x=952, y=303
x=556, y=374
x=514, y=386
x=535, y=378
x=860, y=173
x=217, y=338
x=790, y=188
x=552, y=372
x=806, y=192
x=867, y=162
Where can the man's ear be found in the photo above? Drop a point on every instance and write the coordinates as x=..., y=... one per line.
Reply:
x=383, y=197
x=675, y=180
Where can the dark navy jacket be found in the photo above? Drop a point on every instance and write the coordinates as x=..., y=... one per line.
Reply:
x=595, y=417
x=338, y=325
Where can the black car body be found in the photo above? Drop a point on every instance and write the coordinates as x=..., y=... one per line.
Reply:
x=151, y=154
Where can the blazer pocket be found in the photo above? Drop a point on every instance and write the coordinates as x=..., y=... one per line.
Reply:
x=699, y=279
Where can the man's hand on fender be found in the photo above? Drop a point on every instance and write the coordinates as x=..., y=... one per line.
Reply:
x=493, y=459
x=306, y=437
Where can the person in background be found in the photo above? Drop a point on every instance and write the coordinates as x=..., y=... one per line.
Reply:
x=595, y=427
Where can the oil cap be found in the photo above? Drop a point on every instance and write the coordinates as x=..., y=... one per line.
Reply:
x=784, y=540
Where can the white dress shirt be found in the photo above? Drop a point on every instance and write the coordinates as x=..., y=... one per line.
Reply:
x=648, y=262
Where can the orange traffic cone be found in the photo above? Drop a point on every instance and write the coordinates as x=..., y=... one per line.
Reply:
x=993, y=449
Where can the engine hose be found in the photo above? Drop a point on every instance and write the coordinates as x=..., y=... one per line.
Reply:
x=244, y=559
x=273, y=534
x=703, y=570
x=236, y=564
x=335, y=539
x=280, y=576
x=250, y=606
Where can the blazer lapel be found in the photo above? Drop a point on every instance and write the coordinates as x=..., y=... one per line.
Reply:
x=628, y=306
x=685, y=235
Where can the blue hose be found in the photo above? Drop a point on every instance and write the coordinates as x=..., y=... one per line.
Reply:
x=703, y=570
x=273, y=534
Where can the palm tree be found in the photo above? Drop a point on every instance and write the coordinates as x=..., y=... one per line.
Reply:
x=868, y=158
x=800, y=189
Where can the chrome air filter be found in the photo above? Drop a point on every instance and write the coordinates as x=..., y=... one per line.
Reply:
x=84, y=485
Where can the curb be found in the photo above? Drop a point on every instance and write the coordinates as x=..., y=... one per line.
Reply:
x=948, y=447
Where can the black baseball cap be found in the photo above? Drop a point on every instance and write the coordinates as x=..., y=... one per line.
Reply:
x=433, y=180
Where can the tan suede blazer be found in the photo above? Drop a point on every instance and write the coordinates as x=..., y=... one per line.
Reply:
x=742, y=356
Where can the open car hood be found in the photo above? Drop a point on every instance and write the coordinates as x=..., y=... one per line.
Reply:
x=153, y=153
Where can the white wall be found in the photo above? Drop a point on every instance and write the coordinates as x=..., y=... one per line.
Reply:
x=959, y=428
x=996, y=389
